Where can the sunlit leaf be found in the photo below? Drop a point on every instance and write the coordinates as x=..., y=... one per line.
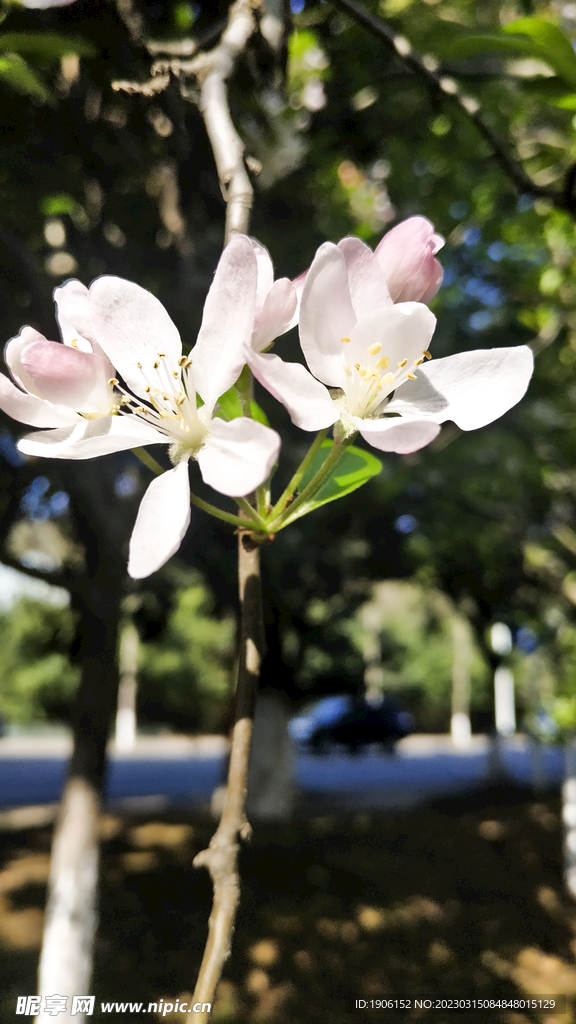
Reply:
x=47, y=45
x=229, y=408
x=16, y=73
x=354, y=468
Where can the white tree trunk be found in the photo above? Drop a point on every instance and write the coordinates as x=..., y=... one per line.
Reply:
x=125, y=736
x=461, y=658
x=569, y=818
x=67, y=949
x=271, y=790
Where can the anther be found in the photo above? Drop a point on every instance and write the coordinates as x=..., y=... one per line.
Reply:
x=147, y=389
x=357, y=367
x=156, y=364
x=403, y=363
x=180, y=398
x=344, y=340
x=187, y=364
x=139, y=365
x=124, y=400
x=175, y=373
x=383, y=363
x=165, y=396
x=418, y=362
x=74, y=343
x=182, y=360
x=113, y=380
x=162, y=355
x=375, y=349
x=389, y=378
x=412, y=376
x=426, y=354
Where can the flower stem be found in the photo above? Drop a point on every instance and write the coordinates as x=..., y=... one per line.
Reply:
x=251, y=513
x=255, y=522
x=289, y=491
x=286, y=517
x=147, y=459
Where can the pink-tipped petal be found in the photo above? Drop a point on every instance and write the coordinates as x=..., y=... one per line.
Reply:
x=368, y=288
x=66, y=376
x=277, y=315
x=132, y=327
x=471, y=388
x=228, y=321
x=397, y=435
x=326, y=315
x=307, y=400
x=90, y=438
x=238, y=456
x=406, y=256
x=13, y=358
x=30, y=409
x=75, y=316
x=162, y=521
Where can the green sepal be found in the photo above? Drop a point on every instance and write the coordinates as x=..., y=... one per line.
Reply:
x=354, y=468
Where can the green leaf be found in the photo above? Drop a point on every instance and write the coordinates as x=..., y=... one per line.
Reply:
x=554, y=47
x=354, y=468
x=57, y=204
x=47, y=46
x=532, y=37
x=567, y=102
x=16, y=73
x=229, y=408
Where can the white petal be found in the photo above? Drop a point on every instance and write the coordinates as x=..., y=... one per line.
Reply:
x=404, y=332
x=13, y=358
x=238, y=456
x=306, y=399
x=162, y=521
x=470, y=388
x=67, y=376
x=32, y=410
x=397, y=435
x=132, y=327
x=227, y=323
x=74, y=315
x=265, y=278
x=90, y=438
x=368, y=289
x=278, y=314
x=326, y=315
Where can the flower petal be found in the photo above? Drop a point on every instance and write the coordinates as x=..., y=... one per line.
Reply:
x=66, y=376
x=265, y=271
x=278, y=314
x=397, y=435
x=326, y=315
x=32, y=410
x=227, y=323
x=406, y=255
x=132, y=327
x=13, y=358
x=238, y=456
x=75, y=316
x=403, y=330
x=470, y=388
x=162, y=521
x=368, y=288
x=306, y=399
x=90, y=438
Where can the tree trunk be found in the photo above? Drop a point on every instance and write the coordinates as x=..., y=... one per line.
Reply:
x=70, y=923
x=125, y=736
x=461, y=658
x=569, y=818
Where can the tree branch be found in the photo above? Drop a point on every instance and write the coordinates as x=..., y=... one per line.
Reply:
x=449, y=88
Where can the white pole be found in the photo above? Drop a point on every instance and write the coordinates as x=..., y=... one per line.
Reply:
x=505, y=712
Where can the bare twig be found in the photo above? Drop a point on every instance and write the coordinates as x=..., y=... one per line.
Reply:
x=221, y=857
x=449, y=88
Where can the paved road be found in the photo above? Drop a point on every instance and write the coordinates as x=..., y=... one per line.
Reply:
x=164, y=770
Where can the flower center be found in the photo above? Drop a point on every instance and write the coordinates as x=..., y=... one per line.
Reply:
x=172, y=406
x=372, y=381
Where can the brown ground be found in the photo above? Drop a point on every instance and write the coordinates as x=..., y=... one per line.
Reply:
x=463, y=898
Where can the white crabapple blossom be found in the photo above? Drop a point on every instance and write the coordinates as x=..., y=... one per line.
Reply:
x=157, y=399
x=276, y=309
x=369, y=359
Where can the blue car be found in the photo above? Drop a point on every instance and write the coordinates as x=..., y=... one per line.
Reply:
x=352, y=721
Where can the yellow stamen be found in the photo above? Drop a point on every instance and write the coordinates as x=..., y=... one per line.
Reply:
x=182, y=360
x=187, y=364
x=113, y=381
x=403, y=363
x=418, y=362
x=74, y=343
x=139, y=365
x=412, y=376
x=161, y=355
x=383, y=363
x=180, y=398
x=375, y=349
x=344, y=340
x=388, y=379
x=147, y=389
x=156, y=364
x=175, y=373
x=426, y=354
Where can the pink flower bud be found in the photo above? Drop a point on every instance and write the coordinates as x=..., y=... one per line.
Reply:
x=406, y=256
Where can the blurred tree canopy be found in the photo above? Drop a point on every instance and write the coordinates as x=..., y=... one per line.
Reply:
x=459, y=111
